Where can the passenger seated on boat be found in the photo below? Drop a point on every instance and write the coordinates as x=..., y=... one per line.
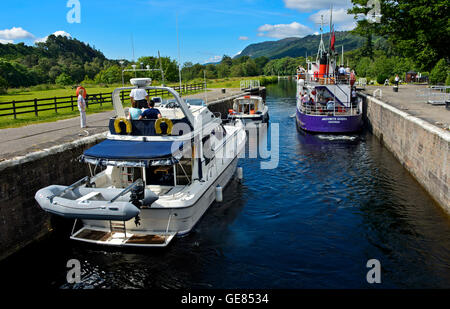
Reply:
x=330, y=105
x=134, y=112
x=151, y=112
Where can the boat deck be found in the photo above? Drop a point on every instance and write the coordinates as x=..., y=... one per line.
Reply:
x=114, y=238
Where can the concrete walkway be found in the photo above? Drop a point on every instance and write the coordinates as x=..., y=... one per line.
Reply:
x=407, y=100
x=20, y=141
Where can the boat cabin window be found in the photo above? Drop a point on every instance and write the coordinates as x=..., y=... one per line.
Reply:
x=162, y=175
x=184, y=172
x=208, y=152
x=246, y=107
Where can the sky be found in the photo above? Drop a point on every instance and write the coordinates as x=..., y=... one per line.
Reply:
x=207, y=29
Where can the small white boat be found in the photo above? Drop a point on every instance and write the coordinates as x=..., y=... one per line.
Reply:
x=249, y=109
x=150, y=179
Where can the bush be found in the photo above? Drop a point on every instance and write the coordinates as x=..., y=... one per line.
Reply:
x=64, y=79
x=439, y=73
x=381, y=78
x=3, y=85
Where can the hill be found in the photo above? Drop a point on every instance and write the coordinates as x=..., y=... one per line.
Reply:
x=54, y=47
x=59, y=56
x=297, y=47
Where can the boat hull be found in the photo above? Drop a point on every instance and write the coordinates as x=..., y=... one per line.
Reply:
x=256, y=119
x=172, y=214
x=329, y=124
x=155, y=221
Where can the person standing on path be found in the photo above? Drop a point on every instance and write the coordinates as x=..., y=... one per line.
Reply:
x=82, y=108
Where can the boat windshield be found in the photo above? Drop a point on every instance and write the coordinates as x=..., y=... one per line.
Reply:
x=196, y=102
x=246, y=106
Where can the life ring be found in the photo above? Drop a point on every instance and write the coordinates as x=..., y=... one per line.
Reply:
x=167, y=121
x=124, y=120
x=84, y=91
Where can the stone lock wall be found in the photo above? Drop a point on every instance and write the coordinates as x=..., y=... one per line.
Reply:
x=21, y=219
x=422, y=148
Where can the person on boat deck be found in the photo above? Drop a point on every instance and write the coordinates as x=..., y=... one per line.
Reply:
x=134, y=112
x=140, y=96
x=305, y=98
x=330, y=104
x=151, y=112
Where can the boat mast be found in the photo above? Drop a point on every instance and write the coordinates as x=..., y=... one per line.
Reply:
x=321, y=50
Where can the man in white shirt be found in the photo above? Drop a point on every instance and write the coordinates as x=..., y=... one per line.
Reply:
x=140, y=96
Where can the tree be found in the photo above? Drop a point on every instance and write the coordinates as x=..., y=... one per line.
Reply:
x=223, y=70
x=237, y=70
x=64, y=79
x=227, y=60
x=3, y=85
x=440, y=72
x=112, y=74
x=250, y=68
x=418, y=29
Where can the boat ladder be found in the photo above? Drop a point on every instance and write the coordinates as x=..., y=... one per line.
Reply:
x=118, y=226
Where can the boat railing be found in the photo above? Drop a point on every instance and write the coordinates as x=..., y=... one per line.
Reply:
x=71, y=187
x=324, y=110
x=325, y=79
x=250, y=84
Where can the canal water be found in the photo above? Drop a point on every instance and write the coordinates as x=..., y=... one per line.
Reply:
x=332, y=204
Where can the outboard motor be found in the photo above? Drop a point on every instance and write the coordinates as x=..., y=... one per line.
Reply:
x=137, y=195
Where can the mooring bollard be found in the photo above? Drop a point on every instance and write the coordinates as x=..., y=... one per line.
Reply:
x=219, y=195
x=395, y=88
x=240, y=173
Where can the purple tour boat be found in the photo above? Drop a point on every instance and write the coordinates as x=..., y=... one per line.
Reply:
x=326, y=97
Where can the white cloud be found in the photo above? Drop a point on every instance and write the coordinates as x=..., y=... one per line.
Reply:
x=341, y=19
x=9, y=35
x=56, y=33
x=243, y=38
x=214, y=59
x=6, y=41
x=238, y=53
x=311, y=5
x=282, y=31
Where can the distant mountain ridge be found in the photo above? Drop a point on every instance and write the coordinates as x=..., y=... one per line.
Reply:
x=297, y=47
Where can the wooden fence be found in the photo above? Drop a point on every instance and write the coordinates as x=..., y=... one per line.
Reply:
x=36, y=106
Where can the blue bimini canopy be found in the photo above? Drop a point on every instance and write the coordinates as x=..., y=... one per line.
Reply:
x=135, y=151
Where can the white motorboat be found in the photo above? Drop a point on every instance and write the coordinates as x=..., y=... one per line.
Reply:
x=150, y=179
x=249, y=109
